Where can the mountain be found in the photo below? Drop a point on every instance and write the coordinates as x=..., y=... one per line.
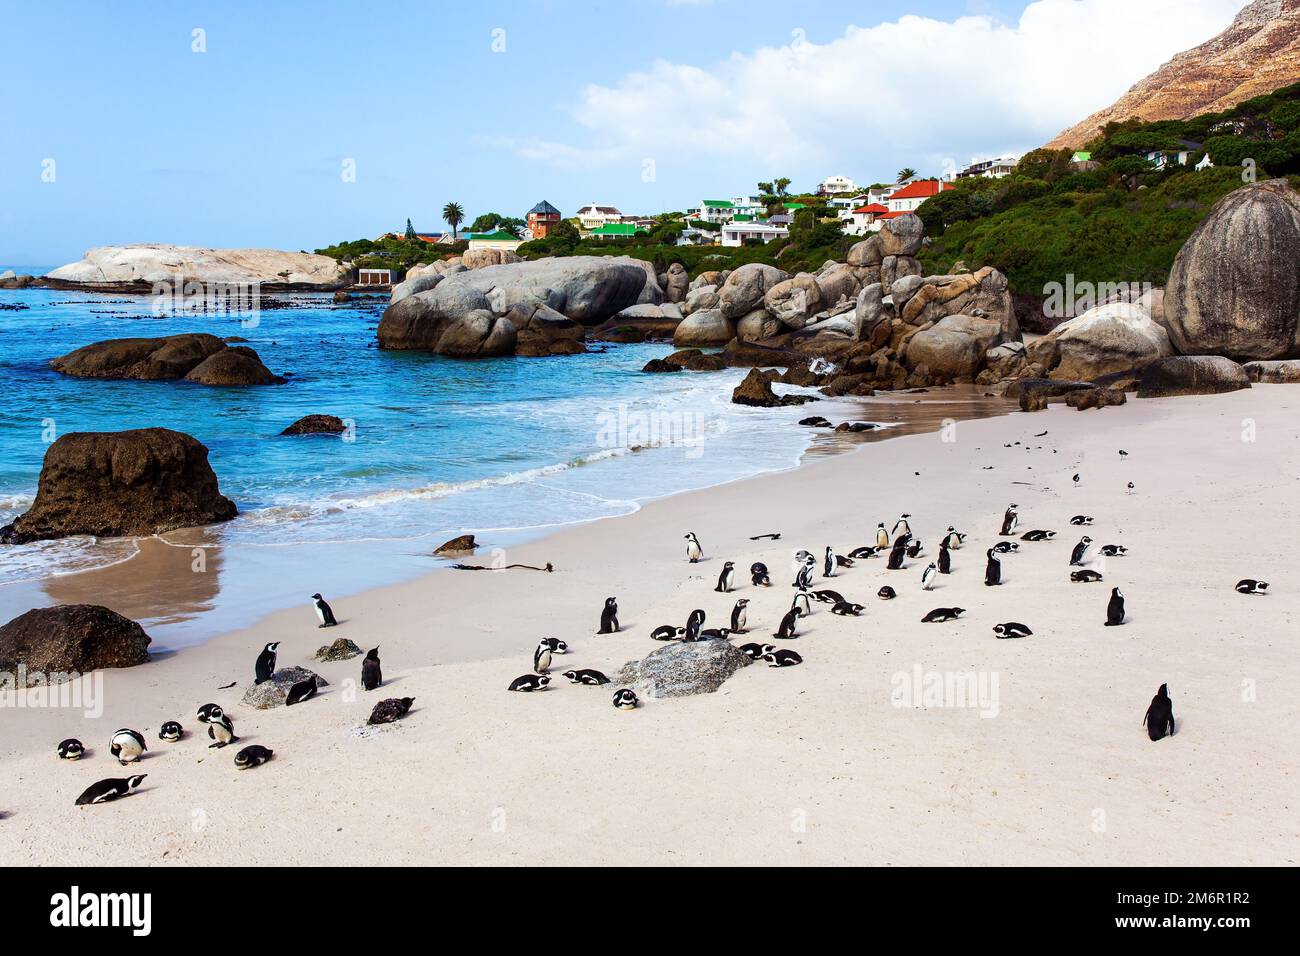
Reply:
x=1257, y=54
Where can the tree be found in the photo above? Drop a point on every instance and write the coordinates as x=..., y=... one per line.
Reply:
x=765, y=189
x=453, y=214
x=486, y=222
x=906, y=173
x=410, y=231
x=782, y=185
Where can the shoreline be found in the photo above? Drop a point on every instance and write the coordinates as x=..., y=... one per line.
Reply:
x=811, y=765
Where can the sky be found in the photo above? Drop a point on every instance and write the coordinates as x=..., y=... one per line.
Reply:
x=294, y=125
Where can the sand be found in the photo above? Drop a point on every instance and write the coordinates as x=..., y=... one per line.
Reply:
x=806, y=765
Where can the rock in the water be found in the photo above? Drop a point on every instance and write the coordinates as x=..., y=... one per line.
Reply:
x=236, y=365
x=112, y=484
x=1235, y=286
x=71, y=639
x=706, y=328
x=680, y=669
x=662, y=365
x=316, y=425
x=1274, y=373
x=272, y=693
x=696, y=361
x=745, y=288
x=1192, y=375
x=462, y=544
x=756, y=390
x=197, y=357
x=341, y=650
x=139, y=268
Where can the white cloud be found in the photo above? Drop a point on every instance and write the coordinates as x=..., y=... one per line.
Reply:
x=917, y=90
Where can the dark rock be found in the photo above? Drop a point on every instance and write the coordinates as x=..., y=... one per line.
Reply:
x=624, y=334
x=815, y=421
x=1095, y=398
x=696, y=361
x=662, y=365
x=169, y=357
x=112, y=484
x=341, y=650
x=681, y=669
x=71, y=639
x=316, y=425
x=756, y=389
x=739, y=354
x=273, y=692
x=459, y=545
x=236, y=365
x=1275, y=373
x=1192, y=375
x=342, y=296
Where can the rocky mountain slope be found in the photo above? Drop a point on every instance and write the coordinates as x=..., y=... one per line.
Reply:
x=1257, y=54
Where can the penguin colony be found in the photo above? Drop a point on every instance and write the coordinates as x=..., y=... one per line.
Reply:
x=128, y=746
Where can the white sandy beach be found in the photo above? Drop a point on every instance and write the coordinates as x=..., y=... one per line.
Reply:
x=806, y=765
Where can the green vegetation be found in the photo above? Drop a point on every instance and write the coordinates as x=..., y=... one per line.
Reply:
x=453, y=214
x=391, y=252
x=493, y=221
x=1117, y=218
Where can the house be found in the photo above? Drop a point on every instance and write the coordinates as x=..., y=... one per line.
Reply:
x=907, y=198
x=431, y=237
x=616, y=230
x=997, y=168
x=374, y=277
x=593, y=216
x=881, y=194
x=542, y=218
x=837, y=184
x=501, y=239
x=865, y=219
x=725, y=210
x=694, y=236
x=735, y=233
x=1164, y=158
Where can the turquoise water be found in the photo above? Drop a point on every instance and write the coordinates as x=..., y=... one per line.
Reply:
x=496, y=447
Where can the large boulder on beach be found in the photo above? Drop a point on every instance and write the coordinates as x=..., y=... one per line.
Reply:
x=745, y=288
x=195, y=356
x=1109, y=338
x=953, y=349
x=71, y=639
x=1191, y=375
x=1235, y=286
x=703, y=330
x=985, y=292
x=681, y=669
x=138, y=268
x=274, y=692
x=112, y=484
x=1285, y=372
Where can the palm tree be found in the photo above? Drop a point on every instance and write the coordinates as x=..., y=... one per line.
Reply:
x=453, y=214
x=781, y=185
x=765, y=189
x=906, y=173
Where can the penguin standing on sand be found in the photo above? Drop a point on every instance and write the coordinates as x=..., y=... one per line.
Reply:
x=928, y=576
x=372, y=674
x=542, y=658
x=265, y=665
x=834, y=562
x=1159, y=718
x=693, y=624
x=727, y=578
x=739, y=616
x=221, y=728
x=882, y=537
x=111, y=789
x=953, y=539
x=609, y=617
x=759, y=576
x=1010, y=520
x=127, y=745
x=1115, y=609
x=803, y=601
x=901, y=527
x=787, y=629
x=324, y=612
x=803, y=578
x=1080, y=552
x=945, y=559
x=993, y=570
x=693, y=549
x=896, y=555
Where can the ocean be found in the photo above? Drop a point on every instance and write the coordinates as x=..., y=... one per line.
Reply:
x=503, y=448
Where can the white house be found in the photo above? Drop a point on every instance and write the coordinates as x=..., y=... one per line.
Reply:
x=593, y=216
x=837, y=184
x=997, y=168
x=735, y=233
x=865, y=218
x=881, y=194
x=725, y=210
x=1162, y=159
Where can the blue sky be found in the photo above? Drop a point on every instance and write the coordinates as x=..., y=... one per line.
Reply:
x=644, y=104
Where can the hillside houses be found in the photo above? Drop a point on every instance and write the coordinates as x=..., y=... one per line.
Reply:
x=719, y=211
x=593, y=216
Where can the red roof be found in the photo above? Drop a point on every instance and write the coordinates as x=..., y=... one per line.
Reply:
x=921, y=189
x=875, y=208
x=891, y=215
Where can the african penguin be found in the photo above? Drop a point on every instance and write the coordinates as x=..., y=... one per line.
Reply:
x=945, y=559
x=727, y=578
x=954, y=539
x=886, y=593
x=827, y=596
x=609, y=617
x=739, y=616
x=846, y=608
x=171, y=731
x=915, y=548
x=787, y=630
x=265, y=664
x=127, y=745
x=372, y=674
x=529, y=682
x=941, y=614
x=803, y=579
x=782, y=657
x=834, y=562
x=220, y=727
x=1159, y=718
x=756, y=651
x=866, y=551
x=110, y=789
x=895, y=562
x=715, y=633
x=1011, y=629
x=882, y=537
x=1006, y=547
x=71, y=749
x=902, y=527
x=992, y=570
x=1251, y=586
x=1038, y=535
x=929, y=574
x=1081, y=520
x=393, y=708
x=1114, y=550
x=758, y=575
x=323, y=612
x=302, y=690
x=1084, y=577
x=542, y=658
x=1080, y=551
x=667, y=632
x=625, y=699
x=693, y=549
x=1010, y=520
x=1115, y=609
x=803, y=601
x=254, y=755
x=693, y=624
x=587, y=676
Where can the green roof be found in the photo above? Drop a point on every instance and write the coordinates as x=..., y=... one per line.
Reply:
x=742, y=217
x=617, y=229
x=794, y=205
x=718, y=203
x=1082, y=157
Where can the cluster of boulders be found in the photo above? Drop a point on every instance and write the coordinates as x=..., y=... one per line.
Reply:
x=195, y=357
x=12, y=280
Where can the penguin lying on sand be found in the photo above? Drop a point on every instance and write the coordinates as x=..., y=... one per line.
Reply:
x=71, y=749
x=527, y=683
x=1011, y=629
x=1251, y=586
x=1084, y=577
x=110, y=789
x=587, y=676
x=254, y=755
x=625, y=699
x=387, y=711
x=941, y=614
